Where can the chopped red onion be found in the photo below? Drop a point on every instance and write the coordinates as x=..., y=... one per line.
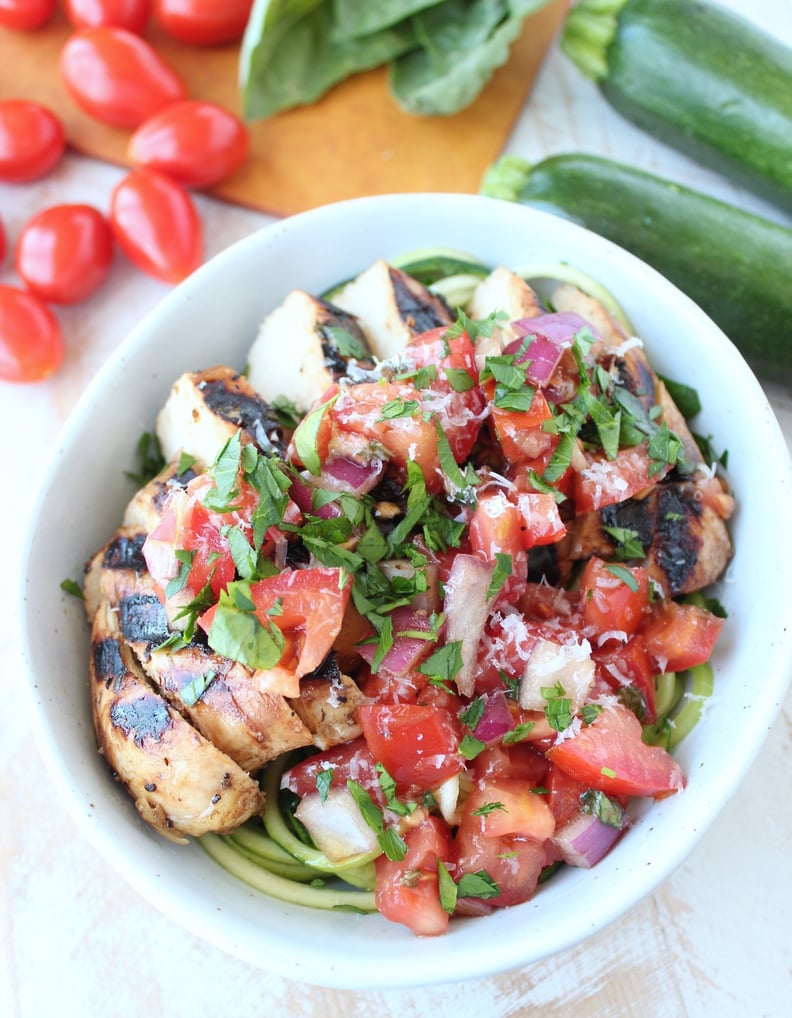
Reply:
x=584, y=840
x=551, y=335
x=496, y=720
x=302, y=493
x=342, y=474
x=407, y=652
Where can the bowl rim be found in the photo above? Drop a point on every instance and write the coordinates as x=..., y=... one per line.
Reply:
x=167, y=898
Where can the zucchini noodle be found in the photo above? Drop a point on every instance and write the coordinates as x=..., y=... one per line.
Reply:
x=679, y=709
x=564, y=273
x=261, y=879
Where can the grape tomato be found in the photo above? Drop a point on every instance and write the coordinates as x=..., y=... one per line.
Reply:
x=133, y=15
x=64, y=252
x=117, y=77
x=32, y=140
x=196, y=143
x=31, y=341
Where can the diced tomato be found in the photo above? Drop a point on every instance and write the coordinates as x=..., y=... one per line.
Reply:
x=519, y=432
x=188, y=526
x=519, y=762
x=454, y=395
x=604, y=482
x=350, y=761
x=510, y=806
x=680, y=636
x=629, y=665
x=311, y=601
x=609, y=754
x=615, y=598
x=407, y=891
x=563, y=794
x=542, y=523
x=496, y=529
x=417, y=745
x=388, y=415
x=512, y=861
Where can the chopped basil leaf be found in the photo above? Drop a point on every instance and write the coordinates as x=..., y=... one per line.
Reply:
x=459, y=379
x=69, y=586
x=287, y=413
x=225, y=470
x=447, y=889
x=624, y=574
x=389, y=840
x=179, y=582
x=487, y=808
x=324, y=781
x=396, y=408
x=470, y=746
x=185, y=463
x=501, y=573
x=346, y=343
x=557, y=707
x=236, y=631
x=477, y=885
x=306, y=435
x=445, y=663
x=518, y=733
x=685, y=397
x=590, y=711
x=388, y=786
x=605, y=809
x=150, y=459
x=627, y=541
x=473, y=713
x=192, y=692
x=242, y=553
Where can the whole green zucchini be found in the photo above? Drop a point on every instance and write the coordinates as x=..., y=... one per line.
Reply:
x=697, y=77
x=736, y=266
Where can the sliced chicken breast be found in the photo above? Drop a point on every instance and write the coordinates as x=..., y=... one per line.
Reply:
x=304, y=346
x=206, y=408
x=182, y=785
x=391, y=307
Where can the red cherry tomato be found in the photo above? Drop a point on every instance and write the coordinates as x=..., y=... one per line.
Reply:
x=156, y=225
x=26, y=14
x=203, y=22
x=196, y=143
x=64, y=252
x=132, y=15
x=32, y=140
x=117, y=77
x=31, y=341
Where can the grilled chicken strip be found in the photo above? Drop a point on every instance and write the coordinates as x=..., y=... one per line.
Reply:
x=320, y=340
x=182, y=785
x=686, y=542
x=144, y=510
x=328, y=705
x=391, y=307
x=224, y=700
x=206, y=408
x=502, y=290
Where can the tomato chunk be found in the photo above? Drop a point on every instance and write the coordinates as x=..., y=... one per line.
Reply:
x=615, y=597
x=416, y=744
x=680, y=636
x=407, y=891
x=609, y=754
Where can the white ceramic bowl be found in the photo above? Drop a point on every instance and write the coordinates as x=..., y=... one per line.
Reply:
x=212, y=318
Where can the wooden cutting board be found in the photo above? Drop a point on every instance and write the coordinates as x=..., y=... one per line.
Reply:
x=354, y=141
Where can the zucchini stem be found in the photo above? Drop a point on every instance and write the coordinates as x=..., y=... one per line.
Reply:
x=588, y=32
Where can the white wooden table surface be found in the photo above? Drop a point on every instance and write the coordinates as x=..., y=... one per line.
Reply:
x=715, y=939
